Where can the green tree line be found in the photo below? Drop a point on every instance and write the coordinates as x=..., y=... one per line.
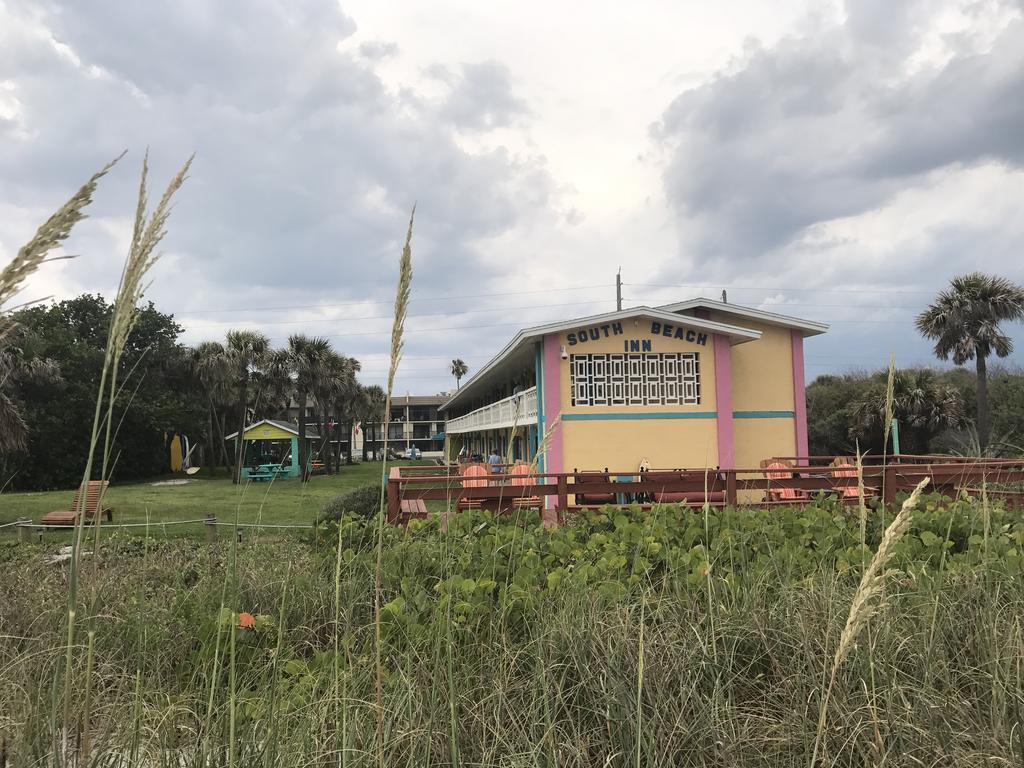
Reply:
x=51, y=358
x=936, y=411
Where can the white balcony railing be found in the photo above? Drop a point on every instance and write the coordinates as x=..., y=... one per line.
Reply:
x=518, y=409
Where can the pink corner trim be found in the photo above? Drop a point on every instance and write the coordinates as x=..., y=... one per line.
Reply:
x=723, y=401
x=799, y=396
x=553, y=400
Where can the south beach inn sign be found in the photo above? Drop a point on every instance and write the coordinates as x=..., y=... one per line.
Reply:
x=669, y=331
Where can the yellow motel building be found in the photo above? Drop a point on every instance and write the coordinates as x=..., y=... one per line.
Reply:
x=699, y=383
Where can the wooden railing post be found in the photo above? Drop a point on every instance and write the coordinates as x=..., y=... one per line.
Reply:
x=889, y=482
x=393, y=489
x=210, y=528
x=24, y=530
x=563, y=495
x=731, y=496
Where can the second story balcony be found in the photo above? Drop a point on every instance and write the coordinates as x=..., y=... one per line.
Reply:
x=518, y=410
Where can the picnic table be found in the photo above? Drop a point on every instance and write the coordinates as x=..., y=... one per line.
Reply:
x=268, y=472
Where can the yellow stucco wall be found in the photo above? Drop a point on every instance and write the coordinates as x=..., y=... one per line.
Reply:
x=757, y=439
x=762, y=370
x=621, y=444
x=267, y=432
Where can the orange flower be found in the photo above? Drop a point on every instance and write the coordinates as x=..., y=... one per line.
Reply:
x=246, y=621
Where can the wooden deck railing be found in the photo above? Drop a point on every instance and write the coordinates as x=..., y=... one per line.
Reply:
x=948, y=475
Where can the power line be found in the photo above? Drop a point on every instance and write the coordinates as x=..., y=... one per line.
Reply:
x=389, y=301
x=699, y=286
x=219, y=323
x=762, y=288
x=517, y=325
x=540, y=306
x=516, y=308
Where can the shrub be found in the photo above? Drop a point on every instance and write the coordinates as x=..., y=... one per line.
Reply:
x=361, y=502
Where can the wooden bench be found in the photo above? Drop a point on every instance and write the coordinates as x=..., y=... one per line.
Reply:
x=712, y=487
x=592, y=499
x=412, y=509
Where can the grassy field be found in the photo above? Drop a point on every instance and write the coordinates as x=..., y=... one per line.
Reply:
x=281, y=502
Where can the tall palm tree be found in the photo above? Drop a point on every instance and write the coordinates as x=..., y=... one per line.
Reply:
x=374, y=400
x=309, y=357
x=338, y=395
x=360, y=408
x=212, y=368
x=246, y=352
x=922, y=403
x=347, y=402
x=964, y=324
x=458, y=369
x=325, y=394
x=273, y=385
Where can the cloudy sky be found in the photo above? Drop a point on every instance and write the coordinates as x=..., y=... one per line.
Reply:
x=833, y=161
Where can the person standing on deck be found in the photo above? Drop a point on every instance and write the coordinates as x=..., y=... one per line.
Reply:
x=494, y=460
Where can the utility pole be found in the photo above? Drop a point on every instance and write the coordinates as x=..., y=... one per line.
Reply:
x=618, y=290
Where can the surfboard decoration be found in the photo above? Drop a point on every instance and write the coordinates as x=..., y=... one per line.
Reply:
x=176, y=454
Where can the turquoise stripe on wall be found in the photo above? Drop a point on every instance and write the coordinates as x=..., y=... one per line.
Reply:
x=657, y=415
x=639, y=416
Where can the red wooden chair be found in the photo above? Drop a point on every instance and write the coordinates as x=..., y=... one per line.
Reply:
x=777, y=469
x=845, y=468
x=473, y=476
x=519, y=475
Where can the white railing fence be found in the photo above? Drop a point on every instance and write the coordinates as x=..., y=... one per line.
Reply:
x=518, y=409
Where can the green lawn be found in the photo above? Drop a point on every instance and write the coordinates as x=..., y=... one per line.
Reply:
x=280, y=502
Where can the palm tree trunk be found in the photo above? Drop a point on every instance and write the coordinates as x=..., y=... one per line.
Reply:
x=334, y=447
x=240, y=439
x=325, y=442
x=350, y=426
x=223, y=430
x=366, y=437
x=303, y=473
x=983, y=420
x=210, y=458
